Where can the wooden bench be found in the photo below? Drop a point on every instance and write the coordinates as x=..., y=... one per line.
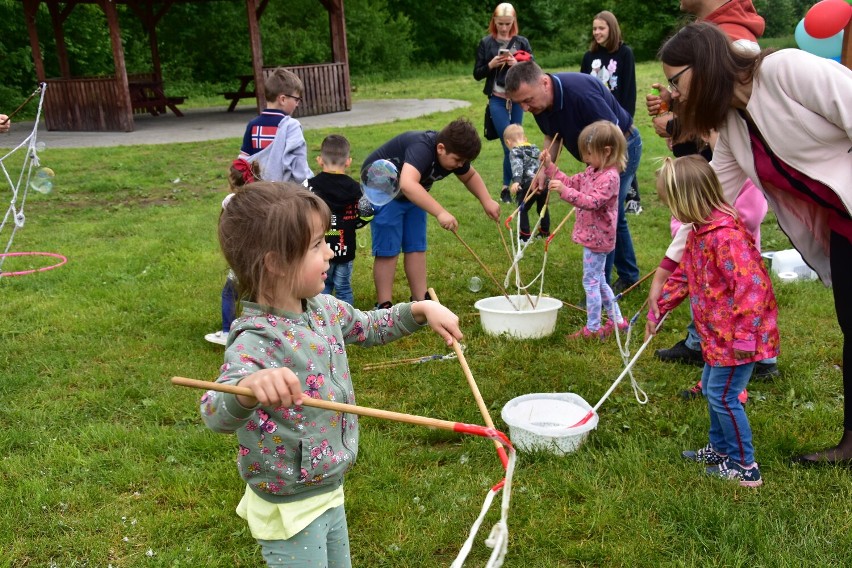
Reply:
x=234, y=97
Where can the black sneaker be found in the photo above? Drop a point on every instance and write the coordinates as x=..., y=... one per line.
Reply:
x=765, y=371
x=384, y=306
x=505, y=195
x=680, y=353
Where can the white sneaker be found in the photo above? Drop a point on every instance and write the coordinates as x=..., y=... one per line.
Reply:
x=219, y=338
x=633, y=207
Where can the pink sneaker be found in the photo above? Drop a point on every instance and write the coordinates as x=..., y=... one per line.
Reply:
x=609, y=327
x=586, y=333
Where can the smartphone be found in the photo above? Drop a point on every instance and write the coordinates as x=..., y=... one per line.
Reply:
x=504, y=51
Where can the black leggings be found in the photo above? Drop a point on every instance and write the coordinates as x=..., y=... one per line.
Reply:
x=841, y=285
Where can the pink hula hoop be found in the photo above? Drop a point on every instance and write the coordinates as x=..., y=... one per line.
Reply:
x=62, y=260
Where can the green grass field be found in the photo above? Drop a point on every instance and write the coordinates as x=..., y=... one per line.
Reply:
x=107, y=464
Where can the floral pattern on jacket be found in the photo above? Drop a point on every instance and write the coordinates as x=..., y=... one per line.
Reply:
x=729, y=290
x=595, y=195
x=286, y=452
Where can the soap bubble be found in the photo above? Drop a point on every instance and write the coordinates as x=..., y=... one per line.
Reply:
x=42, y=180
x=474, y=284
x=380, y=182
x=40, y=146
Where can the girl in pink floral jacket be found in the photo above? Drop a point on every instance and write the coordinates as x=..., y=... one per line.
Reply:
x=594, y=192
x=731, y=296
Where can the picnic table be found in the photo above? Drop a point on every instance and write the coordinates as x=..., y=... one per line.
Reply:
x=148, y=96
x=242, y=92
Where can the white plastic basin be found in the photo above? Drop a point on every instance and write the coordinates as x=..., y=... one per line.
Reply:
x=499, y=318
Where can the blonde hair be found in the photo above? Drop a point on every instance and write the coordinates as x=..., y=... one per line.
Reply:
x=267, y=217
x=503, y=10
x=690, y=188
x=514, y=132
x=600, y=135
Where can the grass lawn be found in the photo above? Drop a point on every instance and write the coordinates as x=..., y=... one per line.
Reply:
x=107, y=464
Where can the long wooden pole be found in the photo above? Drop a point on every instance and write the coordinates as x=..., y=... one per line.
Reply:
x=487, y=432
x=487, y=271
x=483, y=410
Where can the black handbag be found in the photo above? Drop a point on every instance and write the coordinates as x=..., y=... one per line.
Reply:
x=490, y=130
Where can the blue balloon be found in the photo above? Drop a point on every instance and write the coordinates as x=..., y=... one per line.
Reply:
x=830, y=47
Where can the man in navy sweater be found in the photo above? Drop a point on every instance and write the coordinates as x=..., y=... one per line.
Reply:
x=564, y=104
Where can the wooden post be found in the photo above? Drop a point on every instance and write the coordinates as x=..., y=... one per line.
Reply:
x=58, y=19
x=339, y=49
x=846, y=50
x=256, y=52
x=30, y=11
x=123, y=107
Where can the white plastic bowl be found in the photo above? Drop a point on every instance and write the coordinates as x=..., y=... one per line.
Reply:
x=498, y=317
x=543, y=421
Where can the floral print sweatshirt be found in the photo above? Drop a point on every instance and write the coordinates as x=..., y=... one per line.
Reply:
x=729, y=290
x=288, y=454
x=595, y=195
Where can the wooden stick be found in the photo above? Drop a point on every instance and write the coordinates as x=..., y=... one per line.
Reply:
x=483, y=410
x=503, y=238
x=14, y=112
x=487, y=271
x=635, y=284
x=560, y=225
x=337, y=406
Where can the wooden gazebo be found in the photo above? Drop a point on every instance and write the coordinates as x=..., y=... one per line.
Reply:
x=108, y=103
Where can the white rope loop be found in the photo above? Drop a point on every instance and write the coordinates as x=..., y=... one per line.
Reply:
x=15, y=211
x=498, y=538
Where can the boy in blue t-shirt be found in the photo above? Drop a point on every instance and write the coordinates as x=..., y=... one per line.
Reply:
x=422, y=158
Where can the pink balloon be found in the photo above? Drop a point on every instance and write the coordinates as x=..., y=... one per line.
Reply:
x=827, y=18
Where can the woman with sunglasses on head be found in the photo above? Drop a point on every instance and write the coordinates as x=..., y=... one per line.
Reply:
x=784, y=120
x=497, y=53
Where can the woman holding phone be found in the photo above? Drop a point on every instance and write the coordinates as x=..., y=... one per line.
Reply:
x=497, y=52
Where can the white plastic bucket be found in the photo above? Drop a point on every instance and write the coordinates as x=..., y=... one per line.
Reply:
x=543, y=421
x=498, y=317
x=790, y=261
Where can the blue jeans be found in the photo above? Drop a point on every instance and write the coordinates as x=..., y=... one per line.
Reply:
x=229, y=304
x=624, y=257
x=325, y=542
x=339, y=279
x=503, y=118
x=694, y=342
x=730, y=432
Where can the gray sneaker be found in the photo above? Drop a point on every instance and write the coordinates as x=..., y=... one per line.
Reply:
x=704, y=455
x=634, y=207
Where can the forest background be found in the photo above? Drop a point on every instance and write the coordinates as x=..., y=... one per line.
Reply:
x=204, y=44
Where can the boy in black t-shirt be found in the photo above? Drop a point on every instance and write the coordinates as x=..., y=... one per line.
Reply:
x=422, y=158
x=342, y=195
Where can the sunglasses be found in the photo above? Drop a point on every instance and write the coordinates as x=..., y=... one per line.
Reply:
x=673, y=80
